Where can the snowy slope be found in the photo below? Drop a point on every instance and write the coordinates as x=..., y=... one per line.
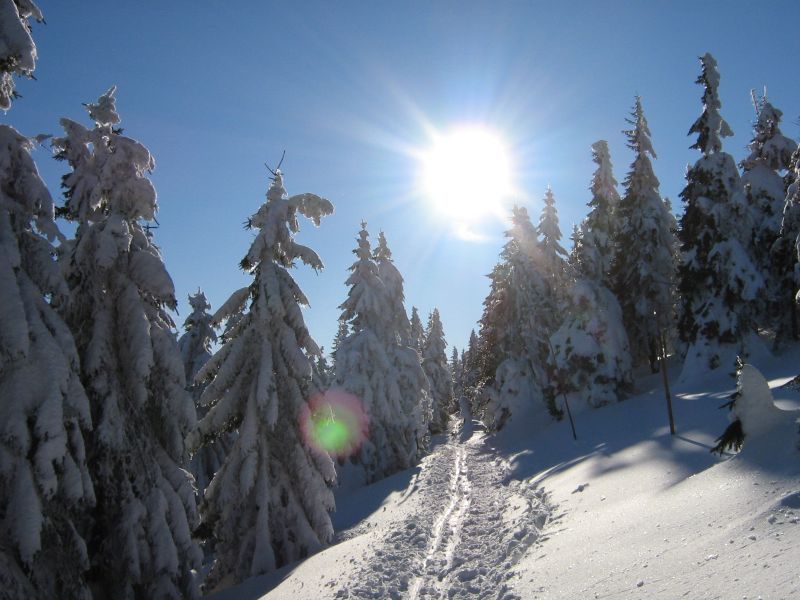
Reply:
x=626, y=511
x=651, y=516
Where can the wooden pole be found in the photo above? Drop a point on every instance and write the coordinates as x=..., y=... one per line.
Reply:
x=663, y=345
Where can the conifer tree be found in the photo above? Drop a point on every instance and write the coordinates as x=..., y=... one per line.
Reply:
x=140, y=542
x=469, y=360
x=17, y=49
x=591, y=355
x=457, y=371
x=321, y=371
x=495, y=325
x=45, y=488
x=195, y=346
x=600, y=225
x=385, y=375
x=576, y=237
x=553, y=256
x=785, y=260
x=718, y=281
x=434, y=362
x=470, y=371
x=763, y=180
x=644, y=263
x=518, y=318
x=417, y=331
x=770, y=156
x=342, y=331
x=269, y=503
x=393, y=281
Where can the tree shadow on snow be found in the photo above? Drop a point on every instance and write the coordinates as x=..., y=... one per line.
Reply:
x=617, y=435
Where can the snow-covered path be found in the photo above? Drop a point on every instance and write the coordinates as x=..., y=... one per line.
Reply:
x=469, y=527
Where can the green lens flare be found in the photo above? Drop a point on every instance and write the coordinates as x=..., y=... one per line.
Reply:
x=331, y=434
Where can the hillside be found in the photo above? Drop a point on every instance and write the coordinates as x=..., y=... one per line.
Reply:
x=626, y=510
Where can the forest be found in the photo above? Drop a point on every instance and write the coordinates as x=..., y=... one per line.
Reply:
x=139, y=459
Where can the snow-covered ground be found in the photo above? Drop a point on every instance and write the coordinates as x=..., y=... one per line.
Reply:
x=626, y=511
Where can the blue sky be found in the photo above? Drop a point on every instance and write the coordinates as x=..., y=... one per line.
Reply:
x=351, y=89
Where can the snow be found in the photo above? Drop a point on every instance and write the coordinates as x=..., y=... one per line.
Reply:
x=625, y=511
x=17, y=49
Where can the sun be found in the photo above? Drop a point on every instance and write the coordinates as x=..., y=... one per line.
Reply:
x=466, y=173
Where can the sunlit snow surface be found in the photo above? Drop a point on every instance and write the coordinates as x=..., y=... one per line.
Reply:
x=334, y=422
x=633, y=511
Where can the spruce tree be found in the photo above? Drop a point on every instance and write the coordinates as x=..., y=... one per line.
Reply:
x=718, y=281
x=457, y=371
x=784, y=255
x=644, y=261
x=393, y=281
x=469, y=360
x=140, y=543
x=763, y=180
x=417, y=330
x=268, y=504
x=770, y=156
x=45, y=488
x=576, y=237
x=591, y=355
x=434, y=362
x=342, y=331
x=552, y=255
x=600, y=225
x=385, y=375
x=195, y=346
x=470, y=372
x=518, y=318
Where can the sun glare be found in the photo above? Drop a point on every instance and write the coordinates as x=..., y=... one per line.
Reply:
x=467, y=173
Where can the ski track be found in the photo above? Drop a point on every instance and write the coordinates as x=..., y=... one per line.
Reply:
x=472, y=527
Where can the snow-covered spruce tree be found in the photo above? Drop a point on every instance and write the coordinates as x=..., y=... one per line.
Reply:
x=591, y=353
x=434, y=362
x=417, y=330
x=457, y=372
x=494, y=326
x=770, y=155
x=600, y=225
x=763, y=180
x=341, y=334
x=754, y=416
x=321, y=371
x=470, y=371
x=519, y=316
x=393, y=281
x=268, y=504
x=385, y=375
x=195, y=346
x=576, y=237
x=784, y=256
x=644, y=261
x=718, y=282
x=140, y=542
x=552, y=255
x=469, y=360
x=45, y=489
x=17, y=49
